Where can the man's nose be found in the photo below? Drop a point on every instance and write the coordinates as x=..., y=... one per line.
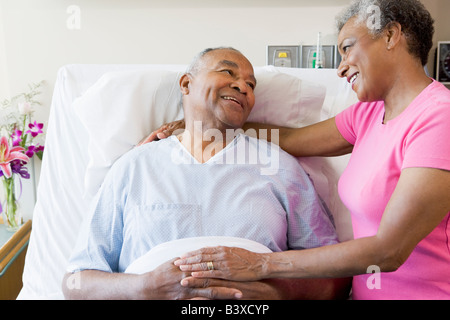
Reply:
x=240, y=86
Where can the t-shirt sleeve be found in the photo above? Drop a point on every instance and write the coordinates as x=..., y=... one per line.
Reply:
x=428, y=144
x=344, y=122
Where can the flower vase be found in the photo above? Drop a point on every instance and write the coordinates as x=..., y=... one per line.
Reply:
x=11, y=213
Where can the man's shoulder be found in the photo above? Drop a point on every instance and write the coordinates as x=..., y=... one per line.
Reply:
x=144, y=151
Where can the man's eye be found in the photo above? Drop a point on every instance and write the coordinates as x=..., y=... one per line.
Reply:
x=228, y=71
x=251, y=85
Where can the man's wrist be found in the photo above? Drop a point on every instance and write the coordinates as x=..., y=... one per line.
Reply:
x=146, y=287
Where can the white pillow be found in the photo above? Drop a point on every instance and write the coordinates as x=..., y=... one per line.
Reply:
x=172, y=249
x=119, y=110
x=285, y=100
x=123, y=107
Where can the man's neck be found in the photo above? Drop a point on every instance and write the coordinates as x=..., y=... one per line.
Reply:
x=203, y=142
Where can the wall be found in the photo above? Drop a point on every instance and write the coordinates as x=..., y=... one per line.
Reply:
x=439, y=9
x=37, y=37
x=38, y=40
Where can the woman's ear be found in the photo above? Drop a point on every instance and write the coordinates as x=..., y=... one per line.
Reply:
x=393, y=35
x=185, y=81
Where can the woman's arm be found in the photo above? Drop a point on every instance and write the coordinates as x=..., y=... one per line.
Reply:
x=320, y=139
x=419, y=203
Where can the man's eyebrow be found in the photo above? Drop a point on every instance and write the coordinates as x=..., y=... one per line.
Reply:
x=232, y=64
x=228, y=63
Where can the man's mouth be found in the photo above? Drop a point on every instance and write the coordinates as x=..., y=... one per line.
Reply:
x=232, y=99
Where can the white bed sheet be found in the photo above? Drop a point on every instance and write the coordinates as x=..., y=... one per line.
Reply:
x=60, y=204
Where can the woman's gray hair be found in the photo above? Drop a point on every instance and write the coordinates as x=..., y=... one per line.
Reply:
x=417, y=23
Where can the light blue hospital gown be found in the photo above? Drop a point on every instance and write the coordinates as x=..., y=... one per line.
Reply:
x=159, y=192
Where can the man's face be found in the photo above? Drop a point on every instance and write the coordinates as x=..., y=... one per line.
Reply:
x=221, y=91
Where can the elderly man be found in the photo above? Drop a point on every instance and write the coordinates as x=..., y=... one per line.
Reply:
x=202, y=183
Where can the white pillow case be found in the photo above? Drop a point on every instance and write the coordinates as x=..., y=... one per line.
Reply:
x=131, y=104
x=119, y=110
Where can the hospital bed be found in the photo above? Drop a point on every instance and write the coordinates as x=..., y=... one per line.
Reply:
x=99, y=112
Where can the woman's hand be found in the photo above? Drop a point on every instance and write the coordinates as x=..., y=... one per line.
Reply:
x=163, y=132
x=225, y=263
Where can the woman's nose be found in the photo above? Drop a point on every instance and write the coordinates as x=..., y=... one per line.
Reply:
x=342, y=70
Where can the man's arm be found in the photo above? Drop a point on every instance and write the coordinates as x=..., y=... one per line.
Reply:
x=278, y=289
x=313, y=289
x=163, y=283
x=100, y=285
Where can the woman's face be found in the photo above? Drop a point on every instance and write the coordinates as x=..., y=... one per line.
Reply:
x=364, y=62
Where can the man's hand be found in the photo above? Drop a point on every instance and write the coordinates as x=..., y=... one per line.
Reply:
x=163, y=132
x=165, y=283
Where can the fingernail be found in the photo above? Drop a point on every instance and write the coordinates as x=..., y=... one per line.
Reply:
x=184, y=283
x=238, y=295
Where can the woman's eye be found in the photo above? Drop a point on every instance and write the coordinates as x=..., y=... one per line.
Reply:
x=251, y=85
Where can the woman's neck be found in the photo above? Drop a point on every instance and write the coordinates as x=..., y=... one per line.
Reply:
x=412, y=80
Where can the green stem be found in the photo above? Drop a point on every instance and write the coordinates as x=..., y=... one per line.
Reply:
x=11, y=205
x=24, y=136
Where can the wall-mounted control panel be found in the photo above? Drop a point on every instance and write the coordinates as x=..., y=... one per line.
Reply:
x=304, y=56
x=443, y=62
x=283, y=56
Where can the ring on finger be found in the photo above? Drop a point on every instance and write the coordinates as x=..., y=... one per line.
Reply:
x=210, y=265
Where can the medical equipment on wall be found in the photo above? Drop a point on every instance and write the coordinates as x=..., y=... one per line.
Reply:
x=316, y=56
x=283, y=56
x=443, y=62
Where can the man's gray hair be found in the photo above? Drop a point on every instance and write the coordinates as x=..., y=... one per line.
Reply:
x=416, y=21
x=196, y=62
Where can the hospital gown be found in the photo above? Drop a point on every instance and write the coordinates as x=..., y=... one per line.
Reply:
x=158, y=192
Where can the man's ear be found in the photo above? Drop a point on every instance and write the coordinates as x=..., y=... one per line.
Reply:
x=185, y=82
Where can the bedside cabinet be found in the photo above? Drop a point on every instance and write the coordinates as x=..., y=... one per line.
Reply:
x=13, y=247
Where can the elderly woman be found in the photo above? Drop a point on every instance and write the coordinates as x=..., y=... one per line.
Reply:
x=397, y=183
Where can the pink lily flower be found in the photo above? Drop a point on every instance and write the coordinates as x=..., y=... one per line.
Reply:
x=9, y=154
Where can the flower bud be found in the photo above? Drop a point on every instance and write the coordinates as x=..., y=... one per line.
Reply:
x=25, y=108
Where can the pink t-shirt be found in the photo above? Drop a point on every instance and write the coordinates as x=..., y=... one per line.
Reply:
x=418, y=137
